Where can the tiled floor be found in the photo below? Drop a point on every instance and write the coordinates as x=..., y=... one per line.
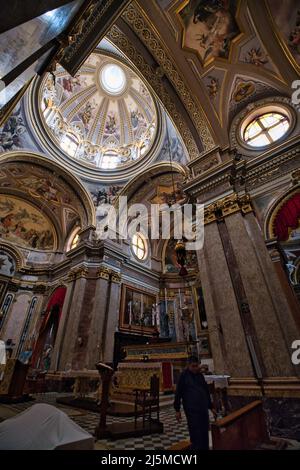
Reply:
x=173, y=432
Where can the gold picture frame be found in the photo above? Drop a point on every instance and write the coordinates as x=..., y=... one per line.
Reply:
x=138, y=311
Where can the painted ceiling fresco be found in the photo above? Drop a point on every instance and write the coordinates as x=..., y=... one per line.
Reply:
x=48, y=190
x=14, y=133
x=104, y=116
x=225, y=51
x=160, y=190
x=286, y=15
x=7, y=264
x=209, y=27
x=22, y=224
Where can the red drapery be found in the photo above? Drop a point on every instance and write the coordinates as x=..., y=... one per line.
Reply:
x=287, y=218
x=56, y=299
x=167, y=375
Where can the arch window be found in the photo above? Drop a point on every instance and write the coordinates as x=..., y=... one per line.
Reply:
x=5, y=308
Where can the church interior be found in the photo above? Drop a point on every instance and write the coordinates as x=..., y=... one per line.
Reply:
x=160, y=102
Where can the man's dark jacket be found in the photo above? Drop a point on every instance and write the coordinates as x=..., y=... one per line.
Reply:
x=193, y=391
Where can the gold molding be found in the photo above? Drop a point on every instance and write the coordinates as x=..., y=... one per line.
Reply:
x=103, y=273
x=135, y=18
x=15, y=253
x=226, y=206
x=80, y=272
x=76, y=185
x=108, y=274
x=116, y=277
x=281, y=40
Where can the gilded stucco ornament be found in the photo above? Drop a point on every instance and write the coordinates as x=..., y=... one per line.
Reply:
x=144, y=30
x=119, y=39
x=227, y=206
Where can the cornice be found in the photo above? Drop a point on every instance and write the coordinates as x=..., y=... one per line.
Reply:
x=251, y=174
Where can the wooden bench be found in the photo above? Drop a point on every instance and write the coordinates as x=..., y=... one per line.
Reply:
x=243, y=429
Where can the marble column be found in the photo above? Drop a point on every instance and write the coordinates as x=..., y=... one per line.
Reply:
x=228, y=344
x=112, y=318
x=273, y=320
x=250, y=322
x=70, y=335
x=94, y=351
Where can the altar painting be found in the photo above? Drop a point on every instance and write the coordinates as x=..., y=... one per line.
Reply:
x=138, y=310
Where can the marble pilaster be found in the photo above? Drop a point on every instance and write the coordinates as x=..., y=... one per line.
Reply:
x=70, y=337
x=227, y=338
x=112, y=318
x=97, y=324
x=270, y=310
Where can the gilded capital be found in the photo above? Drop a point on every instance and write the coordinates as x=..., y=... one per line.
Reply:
x=226, y=206
x=103, y=273
x=116, y=277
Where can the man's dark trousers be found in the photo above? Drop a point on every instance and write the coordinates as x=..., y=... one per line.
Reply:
x=198, y=424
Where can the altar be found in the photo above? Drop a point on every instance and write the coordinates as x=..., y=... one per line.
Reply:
x=166, y=360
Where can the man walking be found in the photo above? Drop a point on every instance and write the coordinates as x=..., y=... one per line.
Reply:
x=193, y=392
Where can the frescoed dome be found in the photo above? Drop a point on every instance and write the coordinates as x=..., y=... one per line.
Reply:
x=103, y=117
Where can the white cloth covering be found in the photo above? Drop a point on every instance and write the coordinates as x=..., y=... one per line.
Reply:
x=43, y=427
x=220, y=381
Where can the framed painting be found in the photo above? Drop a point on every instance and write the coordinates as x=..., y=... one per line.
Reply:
x=138, y=312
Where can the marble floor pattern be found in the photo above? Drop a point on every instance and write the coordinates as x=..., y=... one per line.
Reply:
x=173, y=432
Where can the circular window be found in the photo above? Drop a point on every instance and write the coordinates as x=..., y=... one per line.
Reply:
x=113, y=79
x=69, y=144
x=138, y=245
x=265, y=129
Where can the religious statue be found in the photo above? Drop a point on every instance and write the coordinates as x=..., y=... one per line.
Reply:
x=46, y=360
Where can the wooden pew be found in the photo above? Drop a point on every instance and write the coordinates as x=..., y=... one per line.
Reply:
x=243, y=429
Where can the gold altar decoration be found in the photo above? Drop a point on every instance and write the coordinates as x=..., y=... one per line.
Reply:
x=156, y=352
x=138, y=375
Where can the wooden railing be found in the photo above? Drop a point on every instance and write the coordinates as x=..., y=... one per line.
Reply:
x=243, y=429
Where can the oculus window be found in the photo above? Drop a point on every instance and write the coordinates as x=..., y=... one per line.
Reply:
x=266, y=129
x=138, y=246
